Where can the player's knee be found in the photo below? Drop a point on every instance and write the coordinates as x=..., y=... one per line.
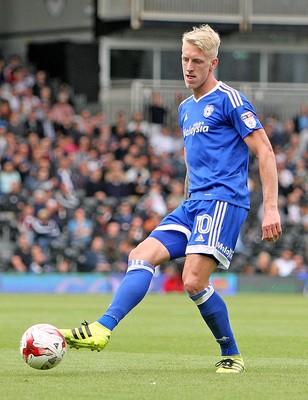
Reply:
x=140, y=253
x=192, y=285
x=135, y=254
x=150, y=250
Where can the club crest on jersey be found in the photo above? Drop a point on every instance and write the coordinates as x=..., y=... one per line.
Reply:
x=249, y=119
x=208, y=110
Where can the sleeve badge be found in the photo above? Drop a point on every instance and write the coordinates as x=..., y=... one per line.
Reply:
x=249, y=119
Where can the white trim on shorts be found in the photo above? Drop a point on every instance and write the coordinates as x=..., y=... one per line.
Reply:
x=174, y=227
x=224, y=263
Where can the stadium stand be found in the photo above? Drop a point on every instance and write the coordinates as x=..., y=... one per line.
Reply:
x=118, y=175
x=59, y=154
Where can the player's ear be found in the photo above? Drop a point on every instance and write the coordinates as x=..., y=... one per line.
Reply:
x=214, y=63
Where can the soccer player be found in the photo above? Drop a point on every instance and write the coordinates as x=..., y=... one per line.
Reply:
x=219, y=128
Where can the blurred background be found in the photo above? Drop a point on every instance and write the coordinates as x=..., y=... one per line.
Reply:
x=89, y=136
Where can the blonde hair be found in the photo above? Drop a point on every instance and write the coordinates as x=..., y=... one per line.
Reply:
x=205, y=38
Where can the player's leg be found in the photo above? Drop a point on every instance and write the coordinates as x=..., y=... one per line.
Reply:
x=142, y=262
x=133, y=288
x=164, y=243
x=214, y=234
x=196, y=277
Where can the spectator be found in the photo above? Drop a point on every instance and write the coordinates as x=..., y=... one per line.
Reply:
x=124, y=215
x=175, y=197
x=67, y=199
x=301, y=268
x=163, y=142
x=82, y=152
x=28, y=105
x=138, y=125
x=12, y=146
x=301, y=175
x=8, y=176
x=22, y=257
x=122, y=148
x=151, y=221
x=80, y=229
x=94, y=259
x=40, y=262
x=83, y=119
x=2, y=67
x=62, y=108
x=14, y=62
x=285, y=176
x=303, y=144
x=113, y=238
x=153, y=201
x=293, y=208
x=93, y=160
x=126, y=246
x=292, y=150
x=45, y=230
x=287, y=132
x=16, y=125
x=263, y=263
x=38, y=200
x=19, y=84
x=5, y=109
x=115, y=182
x=40, y=180
x=63, y=266
x=40, y=81
x=81, y=178
x=65, y=173
x=102, y=217
x=22, y=161
x=173, y=281
x=56, y=213
x=13, y=103
x=44, y=111
x=15, y=200
x=157, y=112
x=137, y=231
x=120, y=120
x=33, y=124
x=138, y=173
x=301, y=119
x=285, y=264
x=94, y=186
x=3, y=139
x=119, y=132
x=24, y=222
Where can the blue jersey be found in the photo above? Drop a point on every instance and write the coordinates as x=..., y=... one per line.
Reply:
x=214, y=127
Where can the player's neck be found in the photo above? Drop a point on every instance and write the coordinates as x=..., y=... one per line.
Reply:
x=208, y=86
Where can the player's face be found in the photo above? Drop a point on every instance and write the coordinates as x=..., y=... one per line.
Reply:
x=196, y=68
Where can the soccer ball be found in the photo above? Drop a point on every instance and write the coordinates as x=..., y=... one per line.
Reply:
x=42, y=346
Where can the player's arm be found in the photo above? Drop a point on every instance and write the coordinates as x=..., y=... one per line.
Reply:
x=186, y=181
x=260, y=145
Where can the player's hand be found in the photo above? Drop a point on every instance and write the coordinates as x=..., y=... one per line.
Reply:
x=271, y=226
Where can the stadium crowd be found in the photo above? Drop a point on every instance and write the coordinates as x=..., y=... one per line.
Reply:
x=78, y=191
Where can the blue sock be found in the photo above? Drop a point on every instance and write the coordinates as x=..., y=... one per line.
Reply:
x=132, y=290
x=214, y=312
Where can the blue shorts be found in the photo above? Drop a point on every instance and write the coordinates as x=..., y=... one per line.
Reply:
x=202, y=227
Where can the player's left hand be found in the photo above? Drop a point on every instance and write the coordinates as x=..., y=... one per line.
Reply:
x=271, y=227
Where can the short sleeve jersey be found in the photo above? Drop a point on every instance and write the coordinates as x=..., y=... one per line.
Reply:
x=214, y=128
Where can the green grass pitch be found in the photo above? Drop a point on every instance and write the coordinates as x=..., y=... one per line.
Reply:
x=162, y=350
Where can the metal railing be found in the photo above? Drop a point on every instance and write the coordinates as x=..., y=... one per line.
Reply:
x=283, y=100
